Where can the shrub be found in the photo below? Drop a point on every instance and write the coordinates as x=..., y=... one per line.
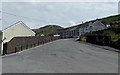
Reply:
x=114, y=36
x=82, y=38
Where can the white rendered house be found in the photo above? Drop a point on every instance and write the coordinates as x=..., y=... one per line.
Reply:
x=18, y=29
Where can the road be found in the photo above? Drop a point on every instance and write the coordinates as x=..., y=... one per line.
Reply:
x=62, y=56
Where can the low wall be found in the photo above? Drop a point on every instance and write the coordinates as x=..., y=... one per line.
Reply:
x=21, y=43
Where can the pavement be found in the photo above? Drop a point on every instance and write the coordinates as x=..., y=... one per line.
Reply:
x=62, y=56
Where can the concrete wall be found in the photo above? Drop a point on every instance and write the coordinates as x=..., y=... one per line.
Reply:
x=17, y=30
x=22, y=43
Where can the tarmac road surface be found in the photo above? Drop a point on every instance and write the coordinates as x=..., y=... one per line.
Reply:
x=62, y=56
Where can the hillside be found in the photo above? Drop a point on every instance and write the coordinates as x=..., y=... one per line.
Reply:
x=112, y=20
x=46, y=30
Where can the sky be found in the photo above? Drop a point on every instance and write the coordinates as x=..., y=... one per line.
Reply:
x=65, y=14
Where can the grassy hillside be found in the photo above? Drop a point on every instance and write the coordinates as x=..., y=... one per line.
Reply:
x=46, y=30
x=114, y=21
x=111, y=20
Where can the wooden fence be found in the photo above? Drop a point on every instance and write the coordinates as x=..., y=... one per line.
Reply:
x=22, y=43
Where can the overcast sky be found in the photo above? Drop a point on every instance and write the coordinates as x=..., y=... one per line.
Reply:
x=64, y=14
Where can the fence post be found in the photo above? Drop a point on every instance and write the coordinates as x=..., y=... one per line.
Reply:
x=38, y=42
x=27, y=46
x=34, y=45
x=15, y=49
x=21, y=48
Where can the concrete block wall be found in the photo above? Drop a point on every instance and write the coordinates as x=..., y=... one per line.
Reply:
x=22, y=43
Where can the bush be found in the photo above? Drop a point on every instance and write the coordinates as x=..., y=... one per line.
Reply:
x=114, y=36
x=82, y=38
x=115, y=44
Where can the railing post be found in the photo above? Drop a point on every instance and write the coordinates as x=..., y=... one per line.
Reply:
x=21, y=48
x=38, y=42
x=27, y=46
x=15, y=49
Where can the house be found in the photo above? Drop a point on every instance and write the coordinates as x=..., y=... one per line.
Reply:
x=82, y=29
x=18, y=29
x=42, y=35
x=61, y=33
x=72, y=32
x=97, y=25
x=69, y=33
x=56, y=35
x=91, y=27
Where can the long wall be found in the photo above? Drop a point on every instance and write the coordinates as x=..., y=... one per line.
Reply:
x=22, y=43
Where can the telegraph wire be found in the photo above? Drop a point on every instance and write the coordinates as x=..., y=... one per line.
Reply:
x=26, y=17
x=20, y=16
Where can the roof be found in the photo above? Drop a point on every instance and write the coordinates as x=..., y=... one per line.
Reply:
x=11, y=25
x=98, y=23
x=83, y=25
x=98, y=26
x=19, y=22
x=72, y=29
